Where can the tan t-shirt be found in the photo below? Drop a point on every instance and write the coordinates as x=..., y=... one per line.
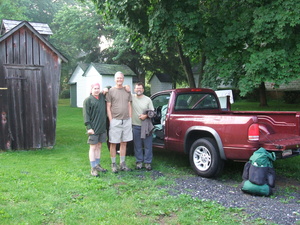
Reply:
x=119, y=98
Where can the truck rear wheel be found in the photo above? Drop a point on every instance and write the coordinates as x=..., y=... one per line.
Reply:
x=205, y=158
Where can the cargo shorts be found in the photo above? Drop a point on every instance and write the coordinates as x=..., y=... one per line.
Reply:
x=96, y=138
x=120, y=131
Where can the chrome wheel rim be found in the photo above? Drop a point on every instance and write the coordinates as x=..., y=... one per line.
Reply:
x=202, y=158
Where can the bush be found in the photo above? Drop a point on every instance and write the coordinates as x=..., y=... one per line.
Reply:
x=252, y=96
x=64, y=94
x=291, y=97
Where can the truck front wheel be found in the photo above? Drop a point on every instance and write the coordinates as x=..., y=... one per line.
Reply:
x=205, y=158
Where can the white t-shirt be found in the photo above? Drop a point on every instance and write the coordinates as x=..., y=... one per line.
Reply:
x=139, y=106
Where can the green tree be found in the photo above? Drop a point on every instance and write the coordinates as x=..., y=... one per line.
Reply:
x=162, y=26
x=43, y=11
x=244, y=43
x=257, y=43
x=76, y=33
x=78, y=29
x=11, y=10
x=143, y=61
x=275, y=49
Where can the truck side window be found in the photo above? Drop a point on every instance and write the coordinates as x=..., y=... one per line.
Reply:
x=158, y=103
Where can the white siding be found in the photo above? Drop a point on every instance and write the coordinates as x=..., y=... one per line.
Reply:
x=156, y=85
x=128, y=81
x=93, y=76
x=109, y=80
x=76, y=75
x=81, y=91
x=90, y=77
x=292, y=86
x=80, y=87
x=84, y=79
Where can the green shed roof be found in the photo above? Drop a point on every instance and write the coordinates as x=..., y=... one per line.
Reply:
x=111, y=69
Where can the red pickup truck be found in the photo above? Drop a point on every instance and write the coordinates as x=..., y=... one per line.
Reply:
x=190, y=120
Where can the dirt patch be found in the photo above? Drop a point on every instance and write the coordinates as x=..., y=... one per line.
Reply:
x=285, y=182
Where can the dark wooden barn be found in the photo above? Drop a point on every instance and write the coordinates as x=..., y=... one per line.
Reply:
x=30, y=69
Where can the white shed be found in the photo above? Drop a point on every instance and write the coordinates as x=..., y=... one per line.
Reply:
x=86, y=74
x=77, y=83
x=160, y=82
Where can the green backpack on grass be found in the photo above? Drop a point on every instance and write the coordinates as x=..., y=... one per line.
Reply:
x=259, y=174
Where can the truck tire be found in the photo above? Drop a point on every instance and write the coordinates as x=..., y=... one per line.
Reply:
x=205, y=158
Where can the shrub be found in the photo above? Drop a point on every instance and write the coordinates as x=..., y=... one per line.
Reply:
x=252, y=96
x=291, y=97
x=64, y=94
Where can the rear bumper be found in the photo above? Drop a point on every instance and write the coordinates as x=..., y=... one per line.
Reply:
x=284, y=145
x=287, y=153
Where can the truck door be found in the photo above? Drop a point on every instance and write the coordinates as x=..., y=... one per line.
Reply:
x=160, y=103
x=188, y=111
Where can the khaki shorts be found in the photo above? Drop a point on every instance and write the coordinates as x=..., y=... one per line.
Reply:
x=120, y=131
x=96, y=138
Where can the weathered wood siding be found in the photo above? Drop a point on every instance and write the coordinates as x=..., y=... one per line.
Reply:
x=29, y=87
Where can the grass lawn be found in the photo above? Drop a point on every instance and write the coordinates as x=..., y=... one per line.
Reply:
x=54, y=186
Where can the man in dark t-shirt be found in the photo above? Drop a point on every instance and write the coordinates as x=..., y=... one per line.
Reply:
x=94, y=114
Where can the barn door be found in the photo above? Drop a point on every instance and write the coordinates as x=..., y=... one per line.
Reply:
x=4, y=131
x=24, y=106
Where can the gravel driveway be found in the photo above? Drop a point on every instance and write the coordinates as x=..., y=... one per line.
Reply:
x=281, y=208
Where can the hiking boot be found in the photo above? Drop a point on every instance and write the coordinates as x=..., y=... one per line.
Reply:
x=94, y=172
x=100, y=169
x=114, y=168
x=138, y=166
x=123, y=167
x=148, y=166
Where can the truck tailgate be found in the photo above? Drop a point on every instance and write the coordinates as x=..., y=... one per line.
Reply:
x=287, y=144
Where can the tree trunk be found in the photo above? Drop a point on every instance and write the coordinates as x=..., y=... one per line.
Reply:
x=262, y=95
x=185, y=61
x=201, y=72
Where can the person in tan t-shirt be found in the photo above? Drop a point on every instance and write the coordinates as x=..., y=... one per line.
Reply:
x=119, y=115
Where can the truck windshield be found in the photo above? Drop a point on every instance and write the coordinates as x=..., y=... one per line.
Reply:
x=196, y=101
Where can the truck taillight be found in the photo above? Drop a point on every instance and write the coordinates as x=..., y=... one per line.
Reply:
x=253, y=132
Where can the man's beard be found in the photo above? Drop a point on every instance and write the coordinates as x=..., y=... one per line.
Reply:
x=139, y=93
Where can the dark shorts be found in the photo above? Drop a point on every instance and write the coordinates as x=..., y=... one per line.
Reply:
x=96, y=138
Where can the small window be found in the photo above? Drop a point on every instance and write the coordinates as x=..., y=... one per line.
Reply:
x=160, y=104
x=196, y=101
x=182, y=102
x=161, y=100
